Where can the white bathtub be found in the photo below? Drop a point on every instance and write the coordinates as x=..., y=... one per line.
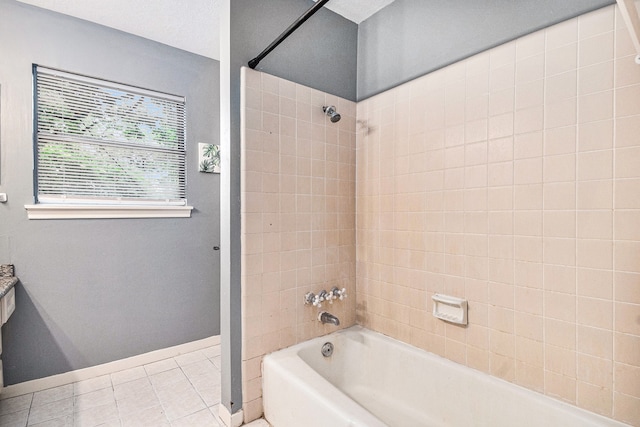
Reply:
x=375, y=381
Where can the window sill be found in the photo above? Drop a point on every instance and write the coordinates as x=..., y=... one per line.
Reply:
x=46, y=211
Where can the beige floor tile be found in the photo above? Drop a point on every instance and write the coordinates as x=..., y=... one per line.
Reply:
x=51, y=411
x=98, y=416
x=94, y=399
x=128, y=375
x=14, y=419
x=52, y=395
x=202, y=418
x=58, y=422
x=15, y=404
x=150, y=417
x=93, y=384
x=160, y=366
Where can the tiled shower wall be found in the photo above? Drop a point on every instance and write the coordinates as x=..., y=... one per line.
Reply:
x=298, y=218
x=512, y=179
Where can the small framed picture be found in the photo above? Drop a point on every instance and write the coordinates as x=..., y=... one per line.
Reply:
x=208, y=158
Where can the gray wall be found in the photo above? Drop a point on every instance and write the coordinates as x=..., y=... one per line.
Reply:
x=320, y=54
x=411, y=38
x=93, y=291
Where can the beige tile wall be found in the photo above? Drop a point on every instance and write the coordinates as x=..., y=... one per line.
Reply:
x=298, y=218
x=512, y=179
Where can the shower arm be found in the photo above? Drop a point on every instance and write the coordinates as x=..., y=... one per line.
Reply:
x=313, y=9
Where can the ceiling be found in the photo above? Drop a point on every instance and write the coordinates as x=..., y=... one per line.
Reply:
x=357, y=10
x=170, y=22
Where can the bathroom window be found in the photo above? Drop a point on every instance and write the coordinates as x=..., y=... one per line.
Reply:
x=104, y=149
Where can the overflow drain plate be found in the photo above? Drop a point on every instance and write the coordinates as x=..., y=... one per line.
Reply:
x=327, y=349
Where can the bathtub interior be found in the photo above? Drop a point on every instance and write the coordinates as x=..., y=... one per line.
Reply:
x=359, y=368
x=295, y=394
x=405, y=386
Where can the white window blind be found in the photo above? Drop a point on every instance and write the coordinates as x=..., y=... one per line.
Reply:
x=100, y=142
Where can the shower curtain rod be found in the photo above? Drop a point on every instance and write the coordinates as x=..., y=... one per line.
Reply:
x=313, y=9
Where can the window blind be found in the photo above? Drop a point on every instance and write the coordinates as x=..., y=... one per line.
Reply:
x=100, y=142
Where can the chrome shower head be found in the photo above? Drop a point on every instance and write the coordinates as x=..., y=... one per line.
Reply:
x=332, y=113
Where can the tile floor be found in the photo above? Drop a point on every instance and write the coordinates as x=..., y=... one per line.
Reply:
x=182, y=391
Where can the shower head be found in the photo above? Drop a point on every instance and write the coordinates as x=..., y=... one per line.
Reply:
x=332, y=113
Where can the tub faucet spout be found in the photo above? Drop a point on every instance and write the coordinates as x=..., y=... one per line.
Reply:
x=326, y=317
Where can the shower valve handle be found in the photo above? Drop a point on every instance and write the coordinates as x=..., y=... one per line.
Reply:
x=330, y=296
x=312, y=299
x=324, y=296
x=308, y=298
x=338, y=293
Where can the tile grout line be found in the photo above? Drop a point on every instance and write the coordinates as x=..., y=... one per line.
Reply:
x=576, y=180
x=614, y=121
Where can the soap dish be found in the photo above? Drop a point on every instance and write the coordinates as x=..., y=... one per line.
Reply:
x=450, y=308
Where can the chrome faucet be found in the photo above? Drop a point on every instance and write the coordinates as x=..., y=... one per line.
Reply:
x=326, y=317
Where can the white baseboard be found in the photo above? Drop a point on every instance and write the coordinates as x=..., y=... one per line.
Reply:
x=106, y=368
x=230, y=420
